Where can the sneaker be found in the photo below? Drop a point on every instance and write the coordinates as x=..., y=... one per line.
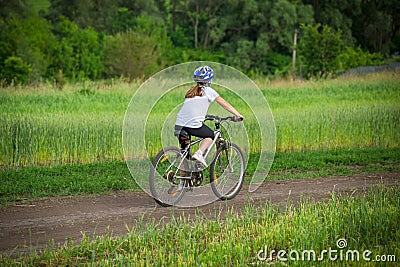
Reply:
x=199, y=157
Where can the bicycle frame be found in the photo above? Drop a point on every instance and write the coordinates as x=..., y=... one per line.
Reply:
x=217, y=134
x=184, y=173
x=185, y=152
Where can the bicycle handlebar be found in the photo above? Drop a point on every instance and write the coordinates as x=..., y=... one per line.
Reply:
x=218, y=118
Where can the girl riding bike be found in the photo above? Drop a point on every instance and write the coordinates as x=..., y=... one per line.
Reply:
x=189, y=121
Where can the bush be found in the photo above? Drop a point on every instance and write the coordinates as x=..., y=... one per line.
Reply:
x=15, y=71
x=319, y=50
x=131, y=54
x=78, y=53
x=356, y=57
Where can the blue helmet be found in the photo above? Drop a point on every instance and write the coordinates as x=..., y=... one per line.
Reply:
x=203, y=74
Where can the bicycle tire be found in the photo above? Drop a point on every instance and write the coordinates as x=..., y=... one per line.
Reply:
x=221, y=170
x=157, y=181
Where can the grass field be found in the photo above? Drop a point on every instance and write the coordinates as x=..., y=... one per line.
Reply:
x=83, y=124
x=56, y=143
x=305, y=232
x=322, y=128
x=19, y=185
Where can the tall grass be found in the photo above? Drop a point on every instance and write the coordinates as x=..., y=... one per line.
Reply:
x=21, y=184
x=366, y=222
x=338, y=126
x=84, y=123
x=54, y=139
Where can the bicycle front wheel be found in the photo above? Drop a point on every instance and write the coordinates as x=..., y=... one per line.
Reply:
x=165, y=188
x=227, y=172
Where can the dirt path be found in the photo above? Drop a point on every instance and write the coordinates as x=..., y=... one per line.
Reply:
x=31, y=226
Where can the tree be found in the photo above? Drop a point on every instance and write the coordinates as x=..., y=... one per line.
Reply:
x=319, y=50
x=96, y=14
x=378, y=27
x=196, y=20
x=78, y=54
x=29, y=38
x=261, y=38
x=338, y=14
x=8, y=8
x=373, y=24
x=131, y=54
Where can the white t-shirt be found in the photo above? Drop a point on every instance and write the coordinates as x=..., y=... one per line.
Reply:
x=194, y=110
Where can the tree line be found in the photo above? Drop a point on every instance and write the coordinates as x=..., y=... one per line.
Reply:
x=76, y=40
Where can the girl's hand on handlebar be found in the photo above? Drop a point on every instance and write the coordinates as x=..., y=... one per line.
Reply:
x=239, y=117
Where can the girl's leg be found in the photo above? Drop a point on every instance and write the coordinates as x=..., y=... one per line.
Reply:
x=205, y=132
x=205, y=144
x=208, y=135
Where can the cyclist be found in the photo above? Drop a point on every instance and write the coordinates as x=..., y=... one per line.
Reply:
x=191, y=116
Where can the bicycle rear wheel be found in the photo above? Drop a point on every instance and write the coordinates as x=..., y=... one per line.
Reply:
x=227, y=172
x=165, y=188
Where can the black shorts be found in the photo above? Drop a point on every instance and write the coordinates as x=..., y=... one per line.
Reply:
x=184, y=133
x=204, y=131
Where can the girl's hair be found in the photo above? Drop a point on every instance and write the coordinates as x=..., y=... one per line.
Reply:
x=195, y=91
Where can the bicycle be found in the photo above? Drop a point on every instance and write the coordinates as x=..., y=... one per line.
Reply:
x=173, y=171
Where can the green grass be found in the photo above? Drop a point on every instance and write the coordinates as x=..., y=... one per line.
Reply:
x=83, y=123
x=54, y=128
x=56, y=143
x=35, y=182
x=101, y=178
x=337, y=114
x=367, y=222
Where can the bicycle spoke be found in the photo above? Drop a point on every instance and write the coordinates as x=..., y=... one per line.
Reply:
x=165, y=187
x=227, y=172
x=168, y=180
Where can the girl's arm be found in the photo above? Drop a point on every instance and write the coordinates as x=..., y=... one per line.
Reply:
x=228, y=107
